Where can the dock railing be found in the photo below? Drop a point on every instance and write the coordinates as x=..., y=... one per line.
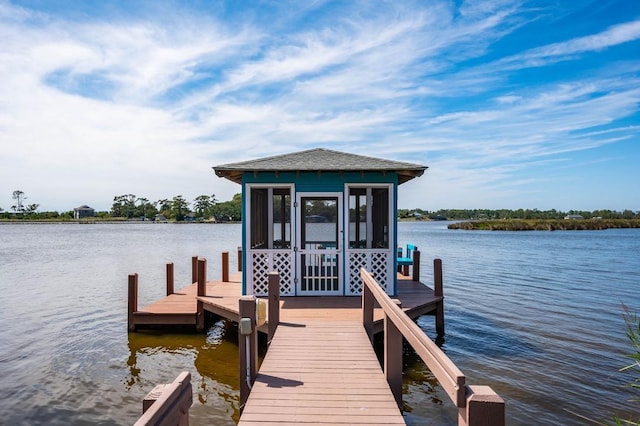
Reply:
x=168, y=404
x=477, y=405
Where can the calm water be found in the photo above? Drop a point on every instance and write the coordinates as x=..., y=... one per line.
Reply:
x=537, y=316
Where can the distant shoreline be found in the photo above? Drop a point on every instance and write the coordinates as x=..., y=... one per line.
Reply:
x=545, y=224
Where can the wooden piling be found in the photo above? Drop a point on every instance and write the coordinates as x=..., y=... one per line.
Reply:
x=132, y=301
x=274, y=303
x=170, y=278
x=225, y=266
x=416, y=266
x=239, y=259
x=438, y=292
x=194, y=269
x=393, y=357
x=202, y=290
x=248, y=348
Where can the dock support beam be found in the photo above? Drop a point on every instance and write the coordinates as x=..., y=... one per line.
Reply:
x=247, y=346
x=133, y=301
x=393, y=357
x=202, y=291
x=274, y=303
x=438, y=292
x=225, y=266
x=170, y=279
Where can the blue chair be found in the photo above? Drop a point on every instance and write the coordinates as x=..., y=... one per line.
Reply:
x=406, y=261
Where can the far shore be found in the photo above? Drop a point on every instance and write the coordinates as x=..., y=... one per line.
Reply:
x=545, y=224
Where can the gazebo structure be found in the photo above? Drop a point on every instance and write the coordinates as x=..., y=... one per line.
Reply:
x=317, y=217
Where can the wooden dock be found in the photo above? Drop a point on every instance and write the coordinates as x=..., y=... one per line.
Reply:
x=323, y=373
x=221, y=298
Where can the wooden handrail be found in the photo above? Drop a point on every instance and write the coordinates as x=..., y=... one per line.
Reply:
x=171, y=405
x=449, y=376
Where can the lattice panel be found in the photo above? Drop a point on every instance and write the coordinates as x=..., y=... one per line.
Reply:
x=379, y=267
x=264, y=262
x=282, y=263
x=377, y=263
x=356, y=261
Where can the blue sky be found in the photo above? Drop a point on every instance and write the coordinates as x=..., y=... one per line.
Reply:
x=511, y=104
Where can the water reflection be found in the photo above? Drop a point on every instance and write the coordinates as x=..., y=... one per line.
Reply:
x=212, y=359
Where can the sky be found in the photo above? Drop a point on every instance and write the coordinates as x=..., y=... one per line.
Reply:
x=510, y=104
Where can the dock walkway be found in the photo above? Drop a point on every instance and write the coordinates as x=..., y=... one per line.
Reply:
x=321, y=373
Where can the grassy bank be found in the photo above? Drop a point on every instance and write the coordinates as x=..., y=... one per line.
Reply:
x=545, y=224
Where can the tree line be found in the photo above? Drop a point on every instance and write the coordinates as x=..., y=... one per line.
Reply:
x=489, y=214
x=130, y=206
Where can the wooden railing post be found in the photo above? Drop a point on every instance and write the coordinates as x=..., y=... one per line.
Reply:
x=393, y=357
x=274, y=303
x=170, y=278
x=247, y=346
x=132, y=301
x=438, y=292
x=416, y=266
x=194, y=269
x=367, y=310
x=239, y=259
x=169, y=403
x=225, y=266
x=484, y=407
x=202, y=291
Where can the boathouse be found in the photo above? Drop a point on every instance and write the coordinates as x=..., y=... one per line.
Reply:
x=317, y=217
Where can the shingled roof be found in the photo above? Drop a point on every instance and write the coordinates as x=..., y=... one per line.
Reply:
x=319, y=160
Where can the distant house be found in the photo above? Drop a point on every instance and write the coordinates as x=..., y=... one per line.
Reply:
x=574, y=217
x=83, y=211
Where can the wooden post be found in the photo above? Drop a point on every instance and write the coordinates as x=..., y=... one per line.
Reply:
x=133, y=301
x=438, y=292
x=393, y=357
x=225, y=266
x=170, y=278
x=483, y=408
x=248, y=347
x=239, y=259
x=168, y=403
x=274, y=303
x=416, y=266
x=202, y=291
x=367, y=310
x=194, y=269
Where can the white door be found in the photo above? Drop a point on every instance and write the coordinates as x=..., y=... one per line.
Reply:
x=319, y=244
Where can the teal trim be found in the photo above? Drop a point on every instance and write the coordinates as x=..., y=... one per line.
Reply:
x=324, y=180
x=245, y=251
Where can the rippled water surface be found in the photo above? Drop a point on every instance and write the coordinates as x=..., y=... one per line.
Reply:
x=535, y=315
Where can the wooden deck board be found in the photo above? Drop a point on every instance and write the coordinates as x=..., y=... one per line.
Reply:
x=323, y=373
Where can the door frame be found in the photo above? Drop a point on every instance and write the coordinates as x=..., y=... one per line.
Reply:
x=339, y=251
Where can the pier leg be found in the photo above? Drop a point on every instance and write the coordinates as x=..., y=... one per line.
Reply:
x=416, y=266
x=170, y=280
x=194, y=269
x=239, y=259
x=439, y=292
x=133, y=301
x=247, y=346
x=274, y=303
x=225, y=266
x=202, y=290
x=393, y=357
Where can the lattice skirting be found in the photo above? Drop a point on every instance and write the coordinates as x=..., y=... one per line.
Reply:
x=263, y=262
x=377, y=263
